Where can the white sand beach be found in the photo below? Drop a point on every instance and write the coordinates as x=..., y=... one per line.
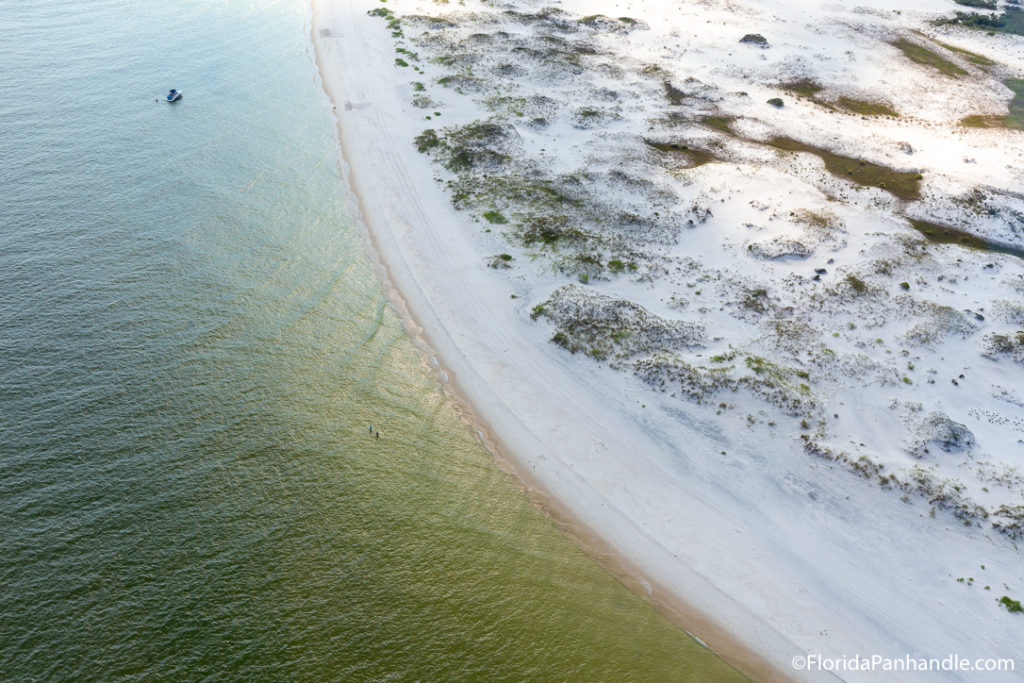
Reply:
x=765, y=544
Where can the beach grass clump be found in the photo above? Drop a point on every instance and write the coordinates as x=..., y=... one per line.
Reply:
x=919, y=54
x=804, y=87
x=464, y=61
x=479, y=146
x=431, y=22
x=552, y=57
x=588, y=117
x=779, y=385
x=495, y=217
x=857, y=285
x=675, y=95
x=903, y=184
x=817, y=219
x=774, y=383
x=698, y=385
x=627, y=227
x=620, y=329
x=427, y=140
x=865, y=107
x=938, y=431
x=394, y=24
x=521, y=192
x=503, y=104
x=945, y=494
x=600, y=22
x=569, y=209
x=550, y=230
x=682, y=154
x=818, y=226
x=421, y=101
x=936, y=322
x=1010, y=312
x=1012, y=606
x=408, y=53
x=462, y=83
x=521, y=107
x=581, y=263
x=762, y=366
x=722, y=124
x=1010, y=344
x=972, y=57
x=779, y=248
x=501, y=261
x=549, y=17
x=596, y=20
x=1009, y=521
x=756, y=300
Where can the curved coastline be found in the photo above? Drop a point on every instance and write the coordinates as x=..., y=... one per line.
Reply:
x=450, y=364
x=741, y=553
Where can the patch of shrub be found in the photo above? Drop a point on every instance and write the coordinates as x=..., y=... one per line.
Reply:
x=501, y=261
x=549, y=230
x=427, y=140
x=1012, y=606
x=755, y=39
x=856, y=284
x=1010, y=21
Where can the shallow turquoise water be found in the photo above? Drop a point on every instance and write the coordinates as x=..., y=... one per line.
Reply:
x=192, y=347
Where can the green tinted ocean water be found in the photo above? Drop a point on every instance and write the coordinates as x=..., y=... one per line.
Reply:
x=192, y=347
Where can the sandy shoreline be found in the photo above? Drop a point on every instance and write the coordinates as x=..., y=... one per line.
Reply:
x=446, y=357
x=761, y=581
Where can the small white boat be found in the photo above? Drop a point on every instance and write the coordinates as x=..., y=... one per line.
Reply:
x=173, y=95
